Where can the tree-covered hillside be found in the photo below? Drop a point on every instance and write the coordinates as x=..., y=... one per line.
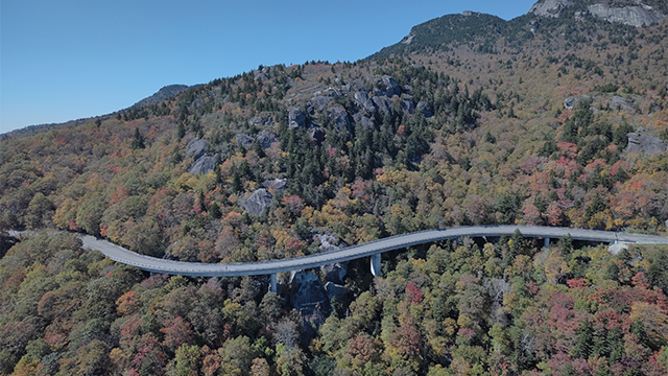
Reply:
x=540, y=121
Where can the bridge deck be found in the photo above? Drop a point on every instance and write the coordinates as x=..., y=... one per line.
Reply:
x=120, y=254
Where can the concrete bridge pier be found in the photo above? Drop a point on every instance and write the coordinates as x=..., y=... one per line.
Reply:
x=273, y=285
x=547, y=243
x=375, y=265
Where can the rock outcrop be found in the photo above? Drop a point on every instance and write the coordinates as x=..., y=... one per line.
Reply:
x=317, y=134
x=258, y=120
x=641, y=15
x=550, y=8
x=383, y=103
x=308, y=296
x=391, y=86
x=422, y=107
x=203, y=165
x=245, y=140
x=196, y=148
x=296, y=118
x=259, y=200
x=364, y=121
x=266, y=138
x=340, y=117
x=644, y=143
x=635, y=15
x=306, y=290
x=408, y=105
x=327, y=243
x=622, y=103
x=276, y=185
x=364, y=102
x=320, y=102
x=571, y=102
x=335, y=291
x=335, y=272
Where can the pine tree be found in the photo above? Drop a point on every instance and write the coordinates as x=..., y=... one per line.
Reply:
x=180, y=131
x=138, y=140
x=214, y=211
x=583, y=346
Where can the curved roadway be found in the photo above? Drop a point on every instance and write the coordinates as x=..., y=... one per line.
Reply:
x=193, y=269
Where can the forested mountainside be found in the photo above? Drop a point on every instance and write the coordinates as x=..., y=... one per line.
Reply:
x=541, y=120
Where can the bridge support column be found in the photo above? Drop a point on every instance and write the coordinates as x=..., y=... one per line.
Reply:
x=273, y=284
x=375, y=265
x=547, y=243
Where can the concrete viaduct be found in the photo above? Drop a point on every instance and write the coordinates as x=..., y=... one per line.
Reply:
x=371, y=249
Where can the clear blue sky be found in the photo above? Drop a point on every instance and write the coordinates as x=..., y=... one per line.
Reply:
x=69, y=59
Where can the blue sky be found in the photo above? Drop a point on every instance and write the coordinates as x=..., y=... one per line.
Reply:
x=65, y=60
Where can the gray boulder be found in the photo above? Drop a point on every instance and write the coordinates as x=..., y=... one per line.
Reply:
x=196, y=148
x=296, y=118
x=340, y=117
x=644, y=143
x=245, y=140
x=261, y=76
x=199, y=102
x=306, y=290
x=358, y=85
x=383, y=103
x=327, y=243
x=364, y=121
x=641, y=15
x=571, y=102
x=317, y=134
x=335, y=272
x=266, y=138
x=259, y=121
x=623, y=103
x=276, y=185
x=335, y=291
x=391, y=86
x=203, y=165
x=259, y=200
x=364, y=102
x=320, y=102
x=407, y=105
x=422, y=107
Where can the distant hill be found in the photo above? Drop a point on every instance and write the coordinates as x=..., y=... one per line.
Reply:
x=165, y=93
x=162, y=94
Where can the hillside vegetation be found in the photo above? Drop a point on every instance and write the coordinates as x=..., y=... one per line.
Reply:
x=518, y=122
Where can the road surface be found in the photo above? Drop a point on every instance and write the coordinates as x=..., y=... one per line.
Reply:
x=193, y=269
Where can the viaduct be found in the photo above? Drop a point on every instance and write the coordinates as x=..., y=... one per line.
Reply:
x=371, y=249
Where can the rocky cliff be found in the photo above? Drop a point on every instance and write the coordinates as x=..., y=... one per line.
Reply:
x=636, y=13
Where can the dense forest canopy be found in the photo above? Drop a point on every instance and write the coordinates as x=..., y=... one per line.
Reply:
x=562, y=122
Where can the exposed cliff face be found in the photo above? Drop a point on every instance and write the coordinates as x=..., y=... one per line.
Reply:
x=550, y=8
x=644, y=143
x=641, y=15
x=637, y=15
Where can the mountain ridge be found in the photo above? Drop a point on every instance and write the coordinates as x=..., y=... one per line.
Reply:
x=565, y=125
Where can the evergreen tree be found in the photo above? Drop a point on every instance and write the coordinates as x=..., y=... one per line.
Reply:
x=214, y=211
x=180, y=131
x=138, y=140
x=583, y=346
